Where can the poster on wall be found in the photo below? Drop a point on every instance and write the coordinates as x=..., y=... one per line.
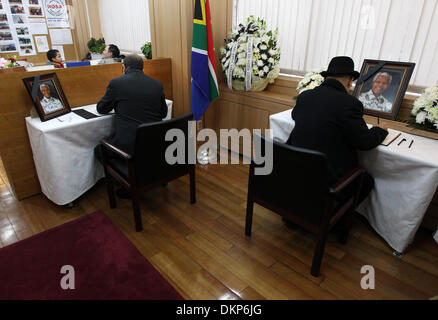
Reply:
x=61, y=36
x=56, y=14
x=14, y=24
x=42, y=44
x=8, y=36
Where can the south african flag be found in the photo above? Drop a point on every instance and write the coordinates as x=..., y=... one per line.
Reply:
x=204, y=81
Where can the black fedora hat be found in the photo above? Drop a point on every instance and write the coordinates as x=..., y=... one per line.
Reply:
x=340, y=66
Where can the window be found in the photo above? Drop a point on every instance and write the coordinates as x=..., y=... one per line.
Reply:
x=125, y=23
x=314, y=31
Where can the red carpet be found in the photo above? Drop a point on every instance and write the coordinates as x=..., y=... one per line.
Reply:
x=106, y=265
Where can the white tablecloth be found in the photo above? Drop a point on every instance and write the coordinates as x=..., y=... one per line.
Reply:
x=63, y=152
x=405, y=181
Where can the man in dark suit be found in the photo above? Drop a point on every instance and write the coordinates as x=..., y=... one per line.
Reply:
x=329, y=120
x=136, y=99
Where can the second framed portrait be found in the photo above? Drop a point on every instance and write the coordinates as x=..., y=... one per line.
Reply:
x=48, y=96
x=382, y=94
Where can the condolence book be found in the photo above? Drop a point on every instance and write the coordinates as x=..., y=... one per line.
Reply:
x=85, y=114
x=392, y=135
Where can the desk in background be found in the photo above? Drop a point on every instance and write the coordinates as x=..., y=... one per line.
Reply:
x=63, y=152
x=405, y=182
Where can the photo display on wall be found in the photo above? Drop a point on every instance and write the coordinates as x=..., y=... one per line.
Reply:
x=24, y=22
x=15, y=35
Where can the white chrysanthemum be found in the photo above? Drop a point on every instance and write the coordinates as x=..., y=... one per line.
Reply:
x=261, y=73
x=256, y=50
x=272, y=52
x=241, y=62
x=264, y=57
x=266, y=69
x=238, y=72
x=271, y=60
x=260, y=63
x=223, y=51
x=421, y=117
x=263, y=47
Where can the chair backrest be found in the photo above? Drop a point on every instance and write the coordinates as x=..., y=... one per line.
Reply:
x=150, y=150
x=298, y=182
x=78, y=64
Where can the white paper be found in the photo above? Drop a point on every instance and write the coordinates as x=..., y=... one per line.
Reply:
x=42, y=44
x=37, y=28
x=56, y=13
x=61, y=36
x=35, y=20
x=61, y=51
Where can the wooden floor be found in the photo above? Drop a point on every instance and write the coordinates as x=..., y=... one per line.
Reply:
x=202, y=251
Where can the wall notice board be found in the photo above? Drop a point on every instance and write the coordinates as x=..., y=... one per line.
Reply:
x=29, y=28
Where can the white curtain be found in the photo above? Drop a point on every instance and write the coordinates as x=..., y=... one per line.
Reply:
x=125, y=23
x=314, y=31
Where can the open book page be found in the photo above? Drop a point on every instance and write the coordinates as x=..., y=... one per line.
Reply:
x=392, y=135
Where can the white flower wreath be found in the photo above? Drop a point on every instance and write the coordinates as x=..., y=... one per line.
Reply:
x=251, y=56
x=425, y=108
x=311, y=80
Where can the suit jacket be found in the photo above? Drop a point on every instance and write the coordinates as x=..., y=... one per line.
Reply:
x=137, y=99
x=329, y=120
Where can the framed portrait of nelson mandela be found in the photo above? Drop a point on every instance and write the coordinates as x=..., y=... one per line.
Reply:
x=47, y=95
x=382, y=86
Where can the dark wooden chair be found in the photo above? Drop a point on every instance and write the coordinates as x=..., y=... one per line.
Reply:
x=299, y=190
x=147, y=167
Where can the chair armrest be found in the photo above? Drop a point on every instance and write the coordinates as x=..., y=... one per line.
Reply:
x=346, y=180
x=113, y=148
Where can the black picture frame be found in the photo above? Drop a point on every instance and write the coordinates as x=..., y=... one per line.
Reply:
x=51, y=104
x=380, y=99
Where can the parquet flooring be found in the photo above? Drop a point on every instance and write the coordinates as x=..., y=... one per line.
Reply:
x=202, y=251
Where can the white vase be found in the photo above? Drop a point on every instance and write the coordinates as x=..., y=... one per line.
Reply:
x=96, y=56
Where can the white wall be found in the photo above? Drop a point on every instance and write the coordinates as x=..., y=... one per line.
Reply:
x=314, y=31
x=125, y=23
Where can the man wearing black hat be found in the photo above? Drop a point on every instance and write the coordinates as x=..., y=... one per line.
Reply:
x=329, y=120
